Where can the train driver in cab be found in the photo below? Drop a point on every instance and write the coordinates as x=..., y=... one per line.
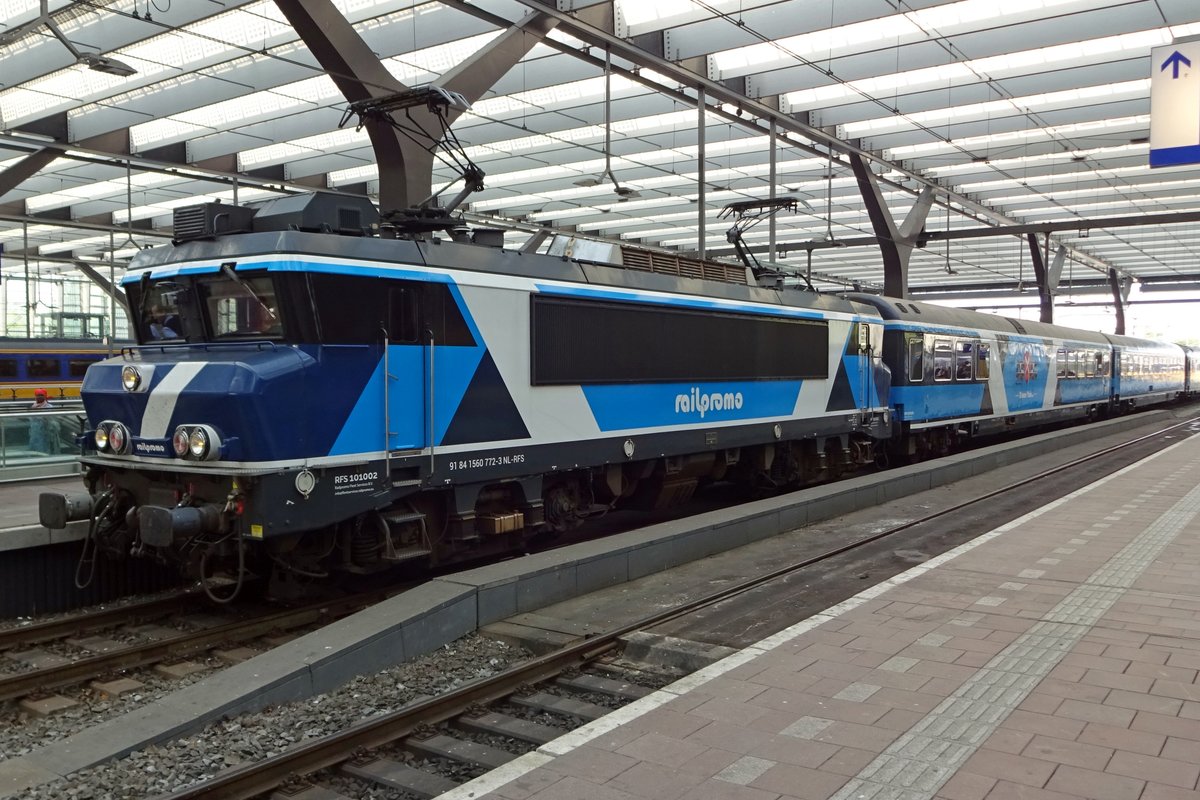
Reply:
x=162, y=324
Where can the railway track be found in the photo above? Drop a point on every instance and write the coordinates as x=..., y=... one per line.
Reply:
x=103, y=655
x=441, y=732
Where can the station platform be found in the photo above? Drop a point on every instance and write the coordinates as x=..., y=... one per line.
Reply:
x=19, y=500
x=1053, y=658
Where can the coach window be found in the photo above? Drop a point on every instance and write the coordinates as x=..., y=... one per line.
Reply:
x=1101, y=364
x=8, y=368
x=76, y=367
x=943, y=360
x=43, y=368
x=963, y=362
x=982, y=351
x=916, y=357
x=1062, y=362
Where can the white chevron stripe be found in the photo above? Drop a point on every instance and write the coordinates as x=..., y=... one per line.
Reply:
x=163, y=398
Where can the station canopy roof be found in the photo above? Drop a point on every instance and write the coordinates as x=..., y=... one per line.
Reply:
x=1017, y=111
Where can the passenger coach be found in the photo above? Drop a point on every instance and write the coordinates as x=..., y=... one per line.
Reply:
x=958, y=373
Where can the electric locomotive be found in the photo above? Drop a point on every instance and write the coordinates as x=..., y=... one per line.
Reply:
x=316, y=394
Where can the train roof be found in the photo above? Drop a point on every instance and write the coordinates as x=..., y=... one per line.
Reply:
x=446, y=254
x=931, y=314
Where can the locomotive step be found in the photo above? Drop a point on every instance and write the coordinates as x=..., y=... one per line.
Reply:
x=406, y=554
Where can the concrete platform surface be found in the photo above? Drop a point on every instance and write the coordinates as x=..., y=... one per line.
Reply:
x=1054, y=658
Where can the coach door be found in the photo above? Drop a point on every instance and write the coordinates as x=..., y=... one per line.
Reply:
x=1115, y=391
x=869, y=362
x=408, y=370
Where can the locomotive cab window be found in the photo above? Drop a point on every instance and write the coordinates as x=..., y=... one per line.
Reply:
x=943, y=360
x=245, y=306
x=159, y=310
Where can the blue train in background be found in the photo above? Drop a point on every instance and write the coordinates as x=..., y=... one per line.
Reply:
x=56, y=365
x=956, y=373
x=308, y=400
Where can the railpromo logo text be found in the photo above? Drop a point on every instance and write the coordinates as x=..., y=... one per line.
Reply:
x=698, y=402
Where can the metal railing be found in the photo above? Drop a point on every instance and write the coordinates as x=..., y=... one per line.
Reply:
x=39, y=443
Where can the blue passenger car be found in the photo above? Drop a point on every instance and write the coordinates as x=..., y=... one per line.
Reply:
x=958, y=373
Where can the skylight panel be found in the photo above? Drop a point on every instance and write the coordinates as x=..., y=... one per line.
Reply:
x=332, y=142
x=994, y=67
x=640, y=15
x=418, y=67
x=945, y=20
x=1015, y=137
x=828, y=43
x=97, y=190
x=1105, y=93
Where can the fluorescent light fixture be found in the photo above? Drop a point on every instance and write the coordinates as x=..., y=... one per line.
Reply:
x=106, y=64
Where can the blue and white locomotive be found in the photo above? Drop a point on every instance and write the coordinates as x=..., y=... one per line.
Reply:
x=304, y=402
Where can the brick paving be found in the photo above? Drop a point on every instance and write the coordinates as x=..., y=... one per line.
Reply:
x=1055, y=658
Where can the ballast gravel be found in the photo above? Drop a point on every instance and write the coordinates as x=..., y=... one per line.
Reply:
x=171, y=766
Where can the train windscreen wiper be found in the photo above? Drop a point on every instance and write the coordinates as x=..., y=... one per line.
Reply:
x=227, y=270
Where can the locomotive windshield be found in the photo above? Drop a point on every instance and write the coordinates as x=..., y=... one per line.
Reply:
x=207, y=308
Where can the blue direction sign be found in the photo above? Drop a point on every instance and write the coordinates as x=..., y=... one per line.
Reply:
x=1175, y=105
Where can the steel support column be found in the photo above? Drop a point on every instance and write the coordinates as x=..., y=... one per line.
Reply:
x=1120, y=292
x=896, y=242
x=105, y=285
x=25, y=169
x=1046, y=275
x=405, y=167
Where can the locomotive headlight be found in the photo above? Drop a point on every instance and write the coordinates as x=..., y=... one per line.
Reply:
x=181, y=441
x=202, y=442
x=131, y=379
x=101, y=436
x=118, y=438
x=198, y=443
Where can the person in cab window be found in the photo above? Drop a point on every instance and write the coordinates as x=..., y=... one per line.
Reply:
x=162, y=324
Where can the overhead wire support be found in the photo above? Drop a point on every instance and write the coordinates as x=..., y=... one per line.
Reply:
x=444, y=146
x=745, y=215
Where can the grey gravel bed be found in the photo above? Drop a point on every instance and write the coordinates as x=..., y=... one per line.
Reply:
x=20, y=732
x=230, y=742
